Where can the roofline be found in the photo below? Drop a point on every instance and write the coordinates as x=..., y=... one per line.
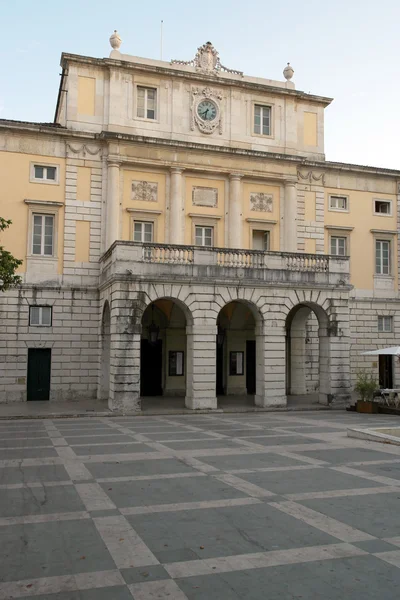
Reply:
x=176, y=72
x=108, y=136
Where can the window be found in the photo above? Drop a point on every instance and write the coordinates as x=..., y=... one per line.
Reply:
x=382, y=257
x=261, y=240
x=146, y=102
x=236, y=363
x=43, y=235
x=339, y=203
x=142, y=232
x=338, y=246
x=262, y=119
x=175, y=363
x=382, y=207
x=204, y=236
x=44, y=173
x=40, y=316
x=385, y=324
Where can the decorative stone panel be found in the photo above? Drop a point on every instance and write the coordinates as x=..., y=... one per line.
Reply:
x=205, y=196
x=261, y=202
x=144, y=191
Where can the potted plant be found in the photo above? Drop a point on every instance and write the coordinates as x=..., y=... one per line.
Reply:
x=366, y=386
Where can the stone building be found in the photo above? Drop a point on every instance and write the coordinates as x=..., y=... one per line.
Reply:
x=184, y=236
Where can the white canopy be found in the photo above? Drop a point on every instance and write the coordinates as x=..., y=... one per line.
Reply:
x=393, y=350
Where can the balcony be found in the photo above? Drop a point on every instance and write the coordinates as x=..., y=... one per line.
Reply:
x=169, y=262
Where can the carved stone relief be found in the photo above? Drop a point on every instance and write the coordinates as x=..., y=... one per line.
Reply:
x=311, y=177
x=261, y=202
x=204, y=196
x=145, y=191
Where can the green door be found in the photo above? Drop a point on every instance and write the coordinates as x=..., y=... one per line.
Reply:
x=39, y=367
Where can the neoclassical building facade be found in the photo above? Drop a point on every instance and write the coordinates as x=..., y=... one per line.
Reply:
x=183, y=236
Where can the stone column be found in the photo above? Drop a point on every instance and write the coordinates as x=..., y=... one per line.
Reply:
x=176, y=209
x=270, y=367
x=201, y=365
x=112, y=223
x=290, y=217
x=235, y=211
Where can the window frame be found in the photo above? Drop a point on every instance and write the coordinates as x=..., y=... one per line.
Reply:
x=335, y=209
x=338, y=237
x=44, y=216
x=40, y=307
x=390, y=261
x=385, y=319
x=266, y=235
x=143, y=223
x=34, y=179
x=146, y=87
x=173, y=363
x=262, y=105
x=380, y=214
x=204, y=227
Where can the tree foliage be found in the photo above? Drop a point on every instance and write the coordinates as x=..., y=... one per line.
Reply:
x=8, y=263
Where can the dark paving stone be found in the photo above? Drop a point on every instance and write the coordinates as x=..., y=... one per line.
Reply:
x=185, y=435
x=108, y=593
x=284, y=440
x=179, y=555
x=345, y=455
x=373, y=546
x=205, y=444
x=376, y=514
x=386, y=470
x=27, y=453
x=53, y=548
x=359, y=578
x=31, y=474
x=168, y=491
x=249, y=461
x=104, y=513
x=226, y=531
x=98, y=439
x=137, y=468
x=25, y=443
x=306, y=480
x=139, y=574
x=112, y=449
x=39, y=500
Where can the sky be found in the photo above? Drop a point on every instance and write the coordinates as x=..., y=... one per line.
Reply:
x=346, y=50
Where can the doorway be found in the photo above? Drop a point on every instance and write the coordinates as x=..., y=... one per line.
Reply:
x=151, y=368
x=386, y=371
x=39, y=371
x=251, y=366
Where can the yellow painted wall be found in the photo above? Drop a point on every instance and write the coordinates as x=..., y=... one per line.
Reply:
x=15, y=188
x=83, y=184
x=249, y=188
x=309, y=206
x=218, y=211
x=362, y=247
x=310, y=245
x=86, y=95
x=82, y=241
x=130, y=175
x=310, y=129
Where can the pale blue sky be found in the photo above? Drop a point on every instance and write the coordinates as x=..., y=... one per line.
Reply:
x=348, y=50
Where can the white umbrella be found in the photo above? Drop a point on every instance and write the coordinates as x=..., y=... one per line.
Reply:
x=393, y=351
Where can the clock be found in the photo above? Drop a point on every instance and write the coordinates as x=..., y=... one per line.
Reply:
x=207, y=110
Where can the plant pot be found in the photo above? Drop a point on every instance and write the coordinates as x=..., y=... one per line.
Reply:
x=368, y=407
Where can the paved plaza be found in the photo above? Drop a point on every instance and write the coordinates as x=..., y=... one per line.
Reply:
x=206, y=507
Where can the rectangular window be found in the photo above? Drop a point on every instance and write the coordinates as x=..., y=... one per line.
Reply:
x=338, y=203
x=385, y=324
x=338, y=246
x=146, y=102
x=236, y=363
x=382, y=207
x=142, y=232
x=44, y=173
x=382, y=257
x=262, y=119
x=43, y=235
x=40, y=316
x=204, y=236
x=261, y=240
x=175, y=363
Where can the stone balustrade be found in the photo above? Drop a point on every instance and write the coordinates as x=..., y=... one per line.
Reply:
x=151, y=260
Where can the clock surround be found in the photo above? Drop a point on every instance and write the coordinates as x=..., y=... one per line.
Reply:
x=203, y=100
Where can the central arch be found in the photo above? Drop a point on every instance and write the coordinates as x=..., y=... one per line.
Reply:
x=163, y=356
x=307, y=354
x=238, y=323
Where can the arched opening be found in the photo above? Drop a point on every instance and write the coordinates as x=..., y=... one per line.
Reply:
x=236, y=354
x=104, y=388
x=307, y=354
x=163, y=352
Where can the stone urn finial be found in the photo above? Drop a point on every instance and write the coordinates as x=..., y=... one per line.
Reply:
x=115, y=40
x=288, y=72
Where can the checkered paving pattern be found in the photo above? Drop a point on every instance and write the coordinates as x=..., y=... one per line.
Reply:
x=202, y=507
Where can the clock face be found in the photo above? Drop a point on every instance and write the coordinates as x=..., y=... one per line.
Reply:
x=207, y=110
